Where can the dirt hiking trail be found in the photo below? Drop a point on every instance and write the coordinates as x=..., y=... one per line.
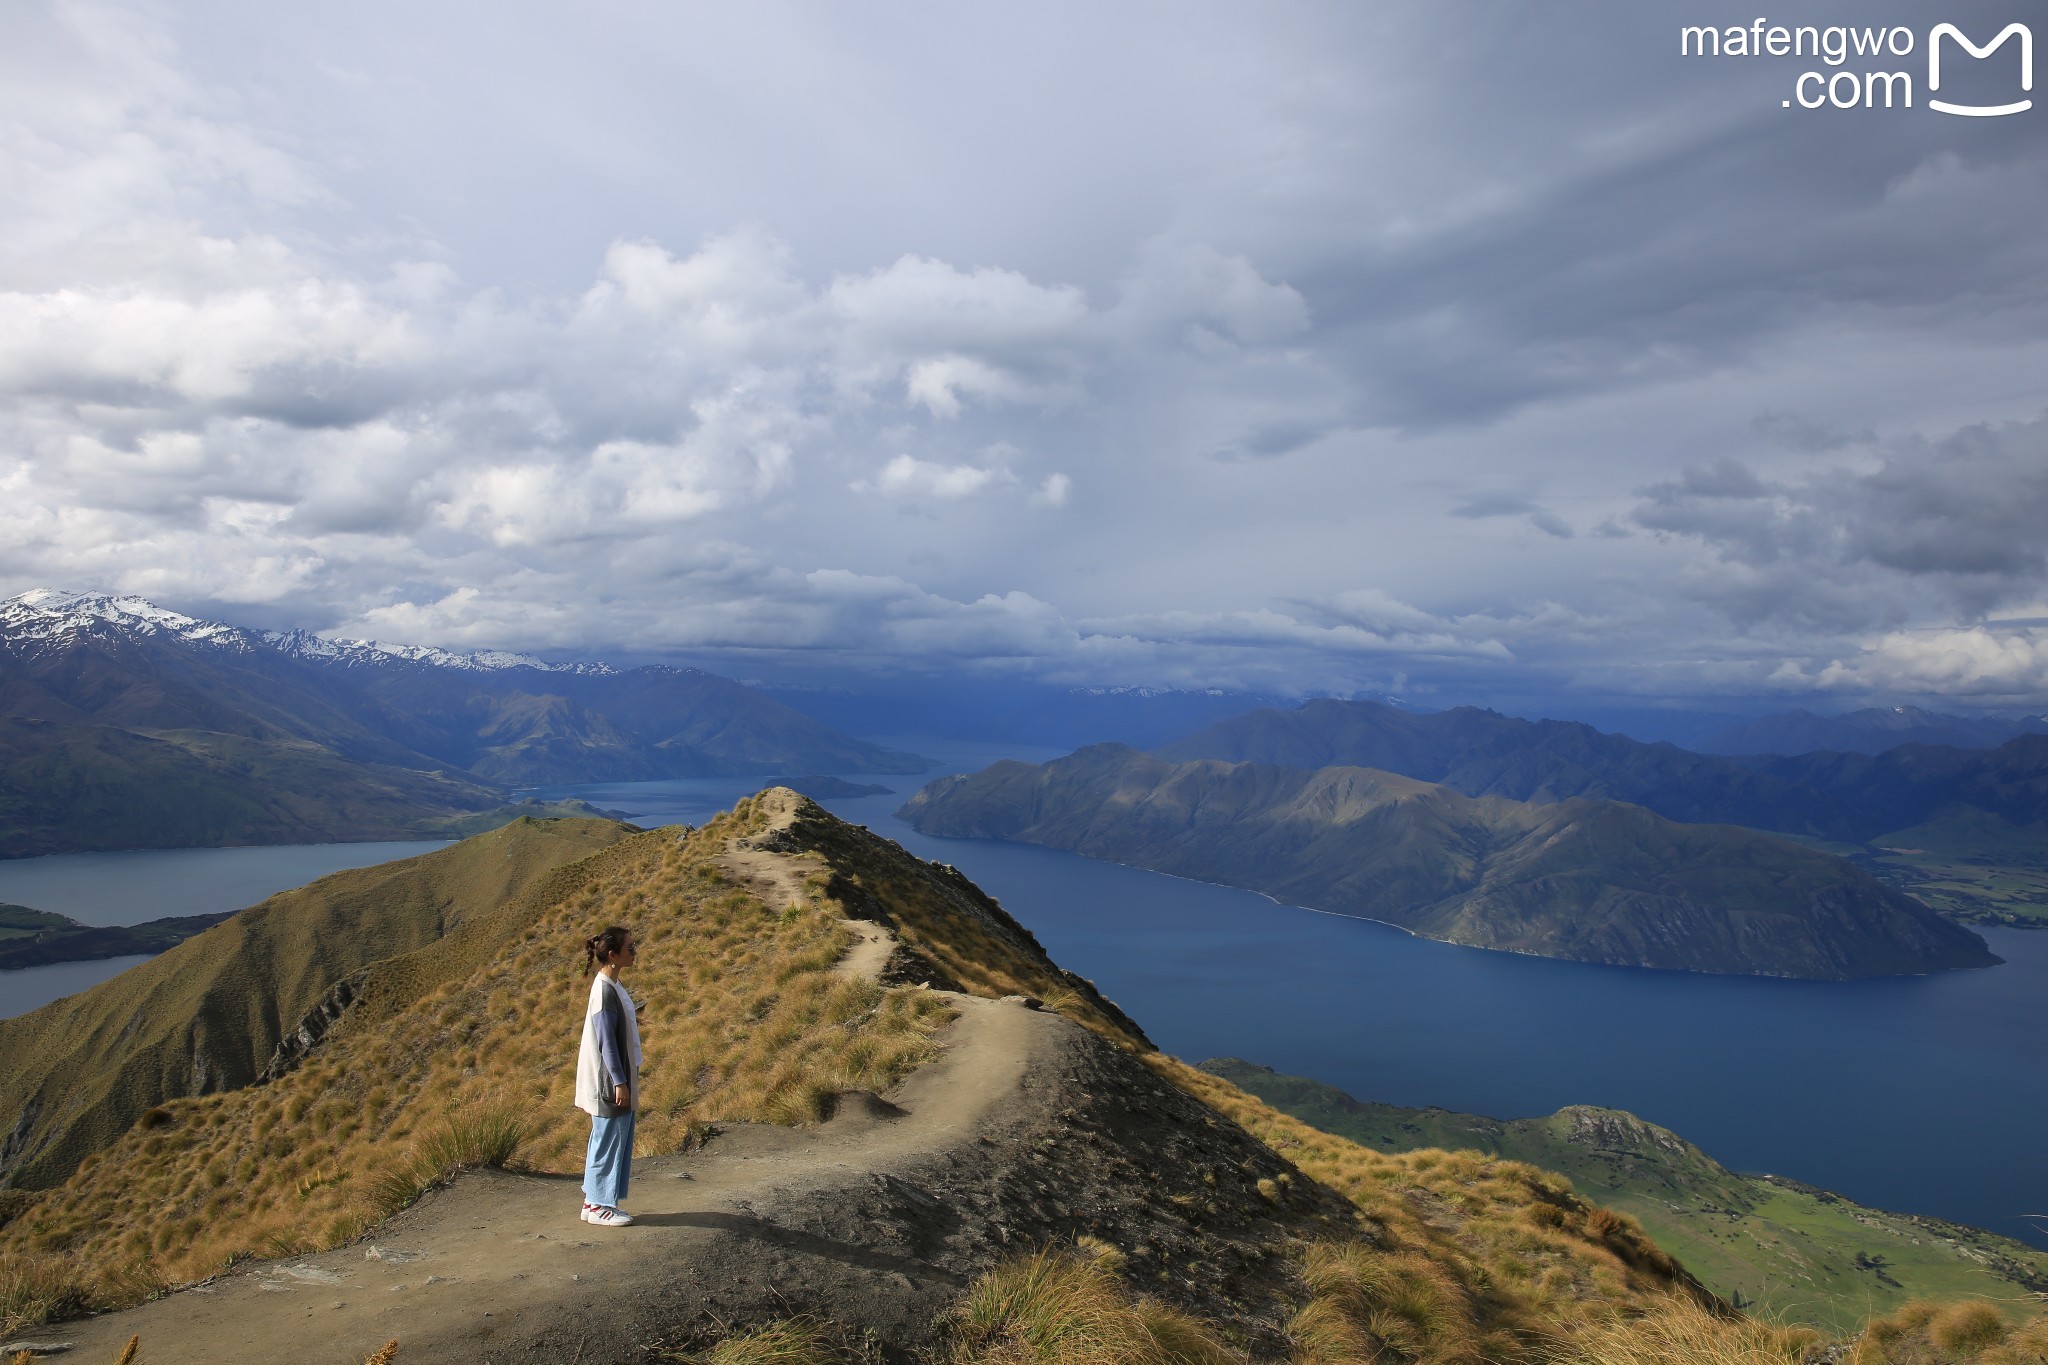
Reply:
x=1026, y=1129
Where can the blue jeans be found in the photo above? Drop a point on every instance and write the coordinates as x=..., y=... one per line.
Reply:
x=608, y=1167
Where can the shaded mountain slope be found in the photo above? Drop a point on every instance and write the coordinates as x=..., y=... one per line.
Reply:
x=1483, y=753
x=1844, y=796
x=124, y=665
x=1587, y=880
x=70, y=788
x=211, y=1014
x=523, y=724
x=1796, y=1253
x=1871, y=730
x=123, y=725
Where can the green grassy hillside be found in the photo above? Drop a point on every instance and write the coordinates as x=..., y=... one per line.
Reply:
x=1792, y=1252
x=1593, y=881
x=209, y=1014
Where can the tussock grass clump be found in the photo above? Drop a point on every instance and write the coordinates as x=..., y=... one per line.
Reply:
x=1973, y=1332
x=35, y=1289
x=1363, y=1301
x=1057, y=1307
x=1680, y=1331
x=462, y=1054
x=488, y=1135
x=797, y=1341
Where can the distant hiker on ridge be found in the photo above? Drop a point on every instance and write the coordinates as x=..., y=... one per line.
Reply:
x=605, y=1070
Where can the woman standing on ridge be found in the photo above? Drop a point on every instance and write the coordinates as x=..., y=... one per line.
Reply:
x=606, y=1069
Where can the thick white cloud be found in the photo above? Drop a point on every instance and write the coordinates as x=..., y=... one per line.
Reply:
x=1987, y=665
x=1958, y=525
x=922, y=480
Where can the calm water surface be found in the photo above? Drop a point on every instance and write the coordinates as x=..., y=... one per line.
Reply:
x=1922, y=1094
x=30, y=988
x=128, y=888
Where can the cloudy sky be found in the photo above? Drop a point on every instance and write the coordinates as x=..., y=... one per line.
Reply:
x=1460, y=350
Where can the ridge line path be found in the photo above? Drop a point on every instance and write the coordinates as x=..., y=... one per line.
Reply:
x=499, y=1267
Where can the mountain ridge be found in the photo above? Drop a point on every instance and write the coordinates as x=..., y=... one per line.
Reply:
x=1841, y=796
x=1591, y=881
x=1870, y=730
x=124, y=724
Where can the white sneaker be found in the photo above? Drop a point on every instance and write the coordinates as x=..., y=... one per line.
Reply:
x=588, y=1209
x=609, y=1217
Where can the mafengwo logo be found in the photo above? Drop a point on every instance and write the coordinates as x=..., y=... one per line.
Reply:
x=1868, y=69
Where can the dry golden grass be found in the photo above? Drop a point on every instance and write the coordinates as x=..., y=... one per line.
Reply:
x=745, y=1020
x=798, y=1341
x=1462, y=1257
x=1679, y=1331
x=35, y=1289
x=488, y=1135
x=1969, y=1333
x=1364, y=1303
x=1059, y=1307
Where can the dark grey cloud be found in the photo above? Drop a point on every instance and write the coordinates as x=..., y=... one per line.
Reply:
x=1796, y=431
x=1962, y=521
x=1510, y=505
x=1676, y=224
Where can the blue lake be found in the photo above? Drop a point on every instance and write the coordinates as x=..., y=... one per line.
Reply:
x=1922, y=1094
x=129, y=888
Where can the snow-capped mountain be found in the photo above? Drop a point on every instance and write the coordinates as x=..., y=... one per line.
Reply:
x=169, y=730
x=302, y=644
x=48, y=615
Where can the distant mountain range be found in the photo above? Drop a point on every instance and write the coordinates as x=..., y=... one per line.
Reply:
x=1858, y=798
x=1869, y=731
x=125, y=725
x=1019, y=710
x=1586, y=879
x=1138, y=716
